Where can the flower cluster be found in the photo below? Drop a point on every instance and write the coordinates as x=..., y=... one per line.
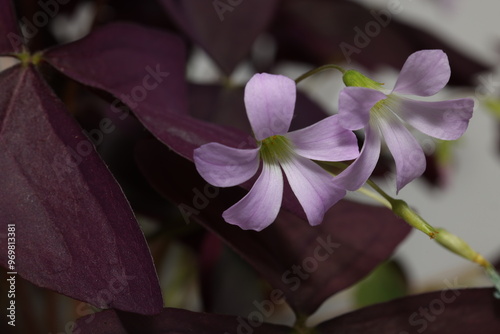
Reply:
x=270, y=102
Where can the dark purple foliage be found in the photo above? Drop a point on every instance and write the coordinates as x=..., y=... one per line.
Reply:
x=143, y=67
x=159, y=61
x=226, y=30
x=76, y=233
x=225, y=106
x=10, y=37
x=172, y=321
x=448, y=311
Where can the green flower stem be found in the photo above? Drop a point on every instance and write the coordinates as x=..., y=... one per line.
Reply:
x=401, y=209
x=375, y=196
x=319, y=69
x=495, y=277
x=446, y=239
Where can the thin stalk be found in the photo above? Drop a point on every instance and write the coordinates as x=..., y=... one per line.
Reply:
x=319, y=69
x=444, y=238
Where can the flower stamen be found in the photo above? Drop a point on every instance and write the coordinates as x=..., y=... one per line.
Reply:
x=276, y=148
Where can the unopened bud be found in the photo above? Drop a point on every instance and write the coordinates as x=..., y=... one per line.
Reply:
x=458, y=246
x=353, y=78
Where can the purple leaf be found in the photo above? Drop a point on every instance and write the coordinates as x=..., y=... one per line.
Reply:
x=322, y=31
x=457, y=311
x=120, y=59
x=225, y=106
x=173, y=321
x=226, y=30
x=11, y=40
x=220, y=105
x=162, y=109
x=75, y=231
x=141, y=66
x=307, y=264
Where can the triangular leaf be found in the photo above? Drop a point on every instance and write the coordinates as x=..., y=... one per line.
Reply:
x=174, y=321
x=75, y=231
x=457, y=311
x=127, y=54
x=143, y=67
x=11, y=39
x=225, y=29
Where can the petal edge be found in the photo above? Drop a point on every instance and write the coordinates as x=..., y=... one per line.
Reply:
x=225, y=166
x=447, y=120
x=424, y=73
x=325, y=140
x=270, y=102
x=313, y=187
x=260, y=207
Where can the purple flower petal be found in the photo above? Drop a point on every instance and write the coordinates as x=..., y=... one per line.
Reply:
x=270, y=101
x=446, y=120
x=312, y=186
x=407, y=153
x=355, y=104
x=354, y=176
x=325, y=140
x=424, y=73
x=225, y=166
x=259, y=208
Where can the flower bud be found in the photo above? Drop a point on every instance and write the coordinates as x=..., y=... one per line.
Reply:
x=459, y=246
x=355, y=79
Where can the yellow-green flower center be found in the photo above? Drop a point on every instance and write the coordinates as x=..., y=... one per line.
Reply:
x=383, y=109
x=276, y=148
x=379, y=108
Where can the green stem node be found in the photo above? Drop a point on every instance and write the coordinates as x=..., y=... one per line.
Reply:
x=401, y=209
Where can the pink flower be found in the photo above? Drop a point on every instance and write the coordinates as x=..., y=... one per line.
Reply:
x=270, y=102
x=364, y=104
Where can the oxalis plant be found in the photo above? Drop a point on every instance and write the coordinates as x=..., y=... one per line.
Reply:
x=112, y=159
